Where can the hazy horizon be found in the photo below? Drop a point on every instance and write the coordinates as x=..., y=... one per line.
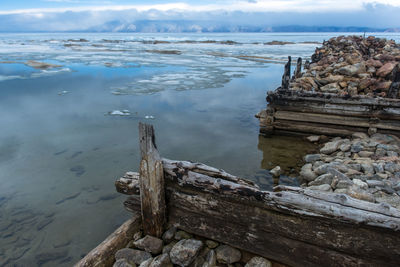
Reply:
x=190, y=16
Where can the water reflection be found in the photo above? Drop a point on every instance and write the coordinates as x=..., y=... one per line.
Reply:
x=286, y=152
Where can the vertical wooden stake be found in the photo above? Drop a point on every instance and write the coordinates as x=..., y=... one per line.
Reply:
x=286, y=75
x=152, y=193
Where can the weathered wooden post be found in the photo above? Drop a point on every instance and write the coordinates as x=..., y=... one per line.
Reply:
x=152, y=193
x=286, y=75
x=297, y=71
x=395, y=86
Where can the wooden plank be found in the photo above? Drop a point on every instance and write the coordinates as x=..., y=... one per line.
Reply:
x=342, y=199
x=316, y=128
x=103, y=254
x=337, y=120
x=288, y=202
x=294, y=226
x=293, y=95
x=152, y=194
x=128, y=184
x=291, y=240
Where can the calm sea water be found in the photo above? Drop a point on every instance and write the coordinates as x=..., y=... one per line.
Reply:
x=61, y=149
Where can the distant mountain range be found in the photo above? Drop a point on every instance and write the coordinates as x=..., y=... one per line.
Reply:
x=210, y=26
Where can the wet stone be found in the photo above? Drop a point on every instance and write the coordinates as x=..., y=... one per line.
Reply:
x=185, y=251
x=323, y=179
x=312, y=158
x=198, y=262
x=227, y=254
x=211, y=258
x=307, y=172
x=258, y=262
x=168, y=235
x=212, y=244
x=167, y=248
x=150, y=244
x=179, y=235
x=146, y=263
x=132, y=255
x=162, y=260
x=323, y=187
x=123, y=263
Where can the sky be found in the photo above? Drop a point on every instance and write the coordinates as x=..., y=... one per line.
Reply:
x=70, y=15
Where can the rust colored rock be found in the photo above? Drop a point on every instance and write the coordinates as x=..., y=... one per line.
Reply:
x=374, y=63
x=385, y=69
x=383, y=85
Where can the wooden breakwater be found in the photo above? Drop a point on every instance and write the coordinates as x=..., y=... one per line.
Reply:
x=351, y=85
x=329, y=114
x=295, y=226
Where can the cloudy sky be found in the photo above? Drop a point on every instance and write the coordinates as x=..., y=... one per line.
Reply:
x=64, y=15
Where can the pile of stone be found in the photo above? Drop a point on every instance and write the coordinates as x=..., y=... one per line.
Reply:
x=364, y=167
x=352, y=65
x=179, y=248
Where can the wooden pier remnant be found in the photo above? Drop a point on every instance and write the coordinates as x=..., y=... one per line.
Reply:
x=152, y=198
x=294, y=226
x=306, y=112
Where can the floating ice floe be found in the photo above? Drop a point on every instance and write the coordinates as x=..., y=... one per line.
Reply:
x=124, y=112
x=149, y=117
x=63, y=92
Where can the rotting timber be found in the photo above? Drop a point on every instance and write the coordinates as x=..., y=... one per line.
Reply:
x=351, y=85
x=294, y=226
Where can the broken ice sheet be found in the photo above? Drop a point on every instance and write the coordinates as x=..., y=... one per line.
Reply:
x=191, y=79
x=124, y=112
x=63, y=92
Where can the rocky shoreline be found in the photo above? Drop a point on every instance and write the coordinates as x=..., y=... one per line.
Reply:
x=366, y=167
x=352, y=65
x=179, y=248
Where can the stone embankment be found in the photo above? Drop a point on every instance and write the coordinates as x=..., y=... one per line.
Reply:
x=352, y=65
x=366, y=167
x=178, y=248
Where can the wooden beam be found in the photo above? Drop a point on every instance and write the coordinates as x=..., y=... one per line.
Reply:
x=152, y=193
x=128, y=184
x=103, y=254
x=295, y=226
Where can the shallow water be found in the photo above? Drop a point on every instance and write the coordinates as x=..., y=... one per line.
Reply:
x=61, y=150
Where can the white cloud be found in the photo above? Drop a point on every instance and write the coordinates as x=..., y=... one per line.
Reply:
x=223, y=13
x=238, y=5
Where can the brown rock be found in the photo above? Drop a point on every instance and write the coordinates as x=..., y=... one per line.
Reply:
x=382, y=85
x=373, y=63
x=386, y=69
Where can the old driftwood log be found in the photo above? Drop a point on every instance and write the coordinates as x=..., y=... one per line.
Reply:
x=103, y=254
x=151, y=180
x=295, y=226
